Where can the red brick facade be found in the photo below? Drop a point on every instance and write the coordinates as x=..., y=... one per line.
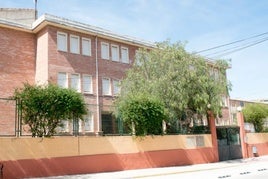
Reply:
x=32, y=55
x=17, y=64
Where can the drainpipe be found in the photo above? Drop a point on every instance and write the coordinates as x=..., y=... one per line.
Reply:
x=97, y=86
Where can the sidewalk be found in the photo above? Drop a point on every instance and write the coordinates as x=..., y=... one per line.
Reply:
x=153, y=172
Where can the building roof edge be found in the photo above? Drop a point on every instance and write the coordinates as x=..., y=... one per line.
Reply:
x=90, y=28
x=14, y=24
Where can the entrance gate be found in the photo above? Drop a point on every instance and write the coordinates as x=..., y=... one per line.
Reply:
x=229, y=144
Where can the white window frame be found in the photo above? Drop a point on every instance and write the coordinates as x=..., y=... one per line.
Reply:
x=74, y=45
x=78, y=89
x=115, y=54
x=224, y=101
x=104, y=91
x=86, y=50
x=80, y=125
x=62, y=42
x=89, y=119
x=90, y=91
x=65, y=126
x=124, y=60
x=65, y=85
x=116, y=88
x=105, y=54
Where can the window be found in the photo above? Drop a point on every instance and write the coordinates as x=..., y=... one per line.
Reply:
x=64, y=127
x=140, y=57
x=75, y=82
x=86, y=46
x=62, y=41
x=89, y=123
x=105, y=51
x=116, y=88
x=224, y=102
x=115, y=53
x=74, y=44
x=124, y=55
x=87, y=84
x=62, y=80
x=106, y=87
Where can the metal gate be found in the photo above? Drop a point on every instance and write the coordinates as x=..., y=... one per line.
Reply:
x=229, y=144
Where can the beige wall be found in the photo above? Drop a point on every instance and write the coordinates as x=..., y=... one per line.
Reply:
x=34, y=148
x=41, y=74
x=256, y=138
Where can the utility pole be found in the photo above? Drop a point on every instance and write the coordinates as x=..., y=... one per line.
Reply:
x=35, y=8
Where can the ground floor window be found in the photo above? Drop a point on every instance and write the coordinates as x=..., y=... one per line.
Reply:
x=113, y=126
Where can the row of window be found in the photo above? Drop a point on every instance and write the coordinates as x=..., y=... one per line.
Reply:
x=73, y=81
x=117, y=54
x=86, y=125
x=62, y=44
x=83, y=83
x=114, y=55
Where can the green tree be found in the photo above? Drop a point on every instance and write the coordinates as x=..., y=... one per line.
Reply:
x=182, y=81
x=143, y=114
x=255, y=114
x=44, y=107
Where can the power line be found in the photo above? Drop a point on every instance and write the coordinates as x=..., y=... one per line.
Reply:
x=234, y=42
x=236, y=48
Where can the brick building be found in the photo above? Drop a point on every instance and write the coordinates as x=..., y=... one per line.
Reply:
x=71, y=54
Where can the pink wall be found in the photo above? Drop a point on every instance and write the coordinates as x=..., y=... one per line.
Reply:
x=34, y=157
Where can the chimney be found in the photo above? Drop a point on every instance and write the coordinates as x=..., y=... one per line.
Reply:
x=21, y=16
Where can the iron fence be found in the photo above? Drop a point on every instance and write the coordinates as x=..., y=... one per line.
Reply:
x=11, y=123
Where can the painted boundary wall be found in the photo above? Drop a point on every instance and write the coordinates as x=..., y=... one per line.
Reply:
x=258, y=141
x=35, y=157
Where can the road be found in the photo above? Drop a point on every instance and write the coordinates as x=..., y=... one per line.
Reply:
x=258, y=170
x=246, y=168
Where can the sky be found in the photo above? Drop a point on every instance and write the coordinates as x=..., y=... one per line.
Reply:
x=200, y=24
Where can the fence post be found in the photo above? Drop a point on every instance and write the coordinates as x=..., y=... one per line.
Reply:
x=18, y=118
x=75, y=126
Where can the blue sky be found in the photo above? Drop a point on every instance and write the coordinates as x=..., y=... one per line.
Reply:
x=200, y=23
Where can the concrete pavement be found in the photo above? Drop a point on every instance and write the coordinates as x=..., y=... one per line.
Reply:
x=169, y=171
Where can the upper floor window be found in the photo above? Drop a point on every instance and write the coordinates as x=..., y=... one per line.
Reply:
x=62, y=41
x=87, y=84
x=116, y=87
x=74, y=44
x=106, y=86
x=124, y=55
x=62, y=80
x=224, y=102
x=75, y=82
x=115, y=52
x=86, y=46
x=105, y=50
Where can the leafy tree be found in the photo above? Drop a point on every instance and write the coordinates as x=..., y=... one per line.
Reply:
x=183, y=82
x=44, y=107
x=143, y=114
x=255, y=114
